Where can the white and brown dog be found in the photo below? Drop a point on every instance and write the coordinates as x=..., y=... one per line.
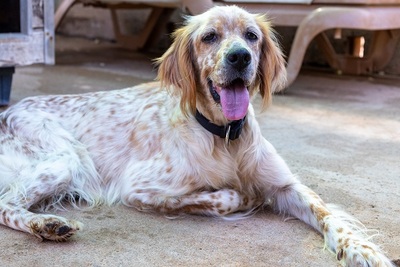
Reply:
x=187, y=144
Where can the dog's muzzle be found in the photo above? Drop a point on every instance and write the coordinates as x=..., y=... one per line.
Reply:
x=231, y=91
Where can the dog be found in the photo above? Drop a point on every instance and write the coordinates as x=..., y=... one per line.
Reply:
x=186, y=144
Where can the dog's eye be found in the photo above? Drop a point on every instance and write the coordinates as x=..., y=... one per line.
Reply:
x=251, y=36
x=209, y=37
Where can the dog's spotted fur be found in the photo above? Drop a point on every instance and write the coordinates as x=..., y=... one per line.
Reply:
x=143, y=147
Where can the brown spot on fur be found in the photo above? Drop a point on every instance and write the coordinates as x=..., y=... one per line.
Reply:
x=142, y=127
x=313, y=194
x=123, y=124
x=169, y=169
x=132, y=139
x=326, y=227
x=365, y=255
x=346, y=242
x=220, y=211
x=148, y=106
x=340, y=230
x=201, y=207
x=192, y=184
x=367, y=247
x=4, y=215
x=320, y=212
x=245, y=201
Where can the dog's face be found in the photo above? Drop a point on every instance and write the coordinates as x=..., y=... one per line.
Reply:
x=227, y=48
x=220, y=59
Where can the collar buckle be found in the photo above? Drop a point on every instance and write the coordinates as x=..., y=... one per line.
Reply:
x=227, y=136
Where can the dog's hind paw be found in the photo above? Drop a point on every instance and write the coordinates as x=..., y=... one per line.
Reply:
x=54, y=228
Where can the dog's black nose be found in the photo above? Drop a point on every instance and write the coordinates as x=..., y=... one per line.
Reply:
x=239, y=58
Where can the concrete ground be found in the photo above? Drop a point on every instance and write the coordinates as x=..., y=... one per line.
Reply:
x=339, y=134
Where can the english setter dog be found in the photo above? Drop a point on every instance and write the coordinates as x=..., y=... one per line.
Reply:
x=189, y=143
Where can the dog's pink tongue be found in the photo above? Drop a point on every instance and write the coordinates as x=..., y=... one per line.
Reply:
x=235, y=101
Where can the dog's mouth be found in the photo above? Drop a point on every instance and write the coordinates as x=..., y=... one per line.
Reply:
x=233, y=98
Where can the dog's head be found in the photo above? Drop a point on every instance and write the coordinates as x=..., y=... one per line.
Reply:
x=219, y=60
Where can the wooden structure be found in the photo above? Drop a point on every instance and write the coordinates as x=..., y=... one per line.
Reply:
x=160, y=12
x=311, y=17
x=26, y=37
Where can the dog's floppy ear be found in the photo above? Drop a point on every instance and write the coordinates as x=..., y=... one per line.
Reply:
x=176, y=69
x=271, y=70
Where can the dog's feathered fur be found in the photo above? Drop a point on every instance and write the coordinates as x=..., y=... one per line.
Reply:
x=143, y=147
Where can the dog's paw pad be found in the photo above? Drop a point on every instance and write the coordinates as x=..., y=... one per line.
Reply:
x=54, y=228
x=63, y=230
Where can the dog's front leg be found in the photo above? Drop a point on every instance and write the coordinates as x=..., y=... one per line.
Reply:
x=341, y=233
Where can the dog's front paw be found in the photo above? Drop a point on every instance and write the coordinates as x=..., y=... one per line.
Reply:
x=361, y=253
x=54, y=228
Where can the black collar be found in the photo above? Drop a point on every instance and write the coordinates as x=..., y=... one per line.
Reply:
x=232, y=130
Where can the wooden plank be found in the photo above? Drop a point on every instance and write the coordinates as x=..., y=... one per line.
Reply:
x=49, y=35
x=38, y=14
x=20, y=49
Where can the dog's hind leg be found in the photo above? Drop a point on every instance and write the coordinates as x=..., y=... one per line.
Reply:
x=41, y=171
x=43, y=226
x=46, y=183
x=36, y=186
